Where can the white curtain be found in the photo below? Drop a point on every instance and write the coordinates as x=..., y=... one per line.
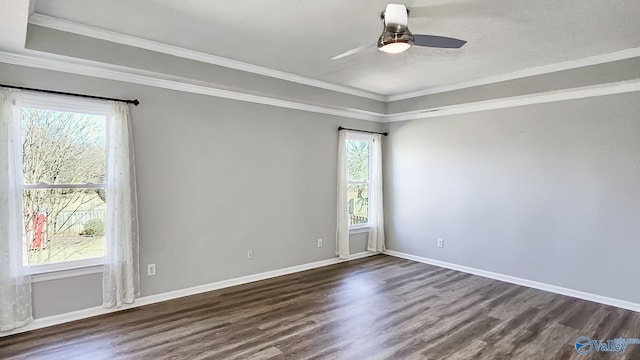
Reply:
x=342, y=229
x=120, y=283
x=15, y=281
x=376, y=205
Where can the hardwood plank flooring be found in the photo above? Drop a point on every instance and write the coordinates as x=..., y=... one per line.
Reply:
x=380, y=307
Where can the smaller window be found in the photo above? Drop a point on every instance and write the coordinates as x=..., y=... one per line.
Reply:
x=359, y=147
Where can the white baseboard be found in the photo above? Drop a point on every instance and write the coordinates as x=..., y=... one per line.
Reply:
x=152, y=299
x=519, y=281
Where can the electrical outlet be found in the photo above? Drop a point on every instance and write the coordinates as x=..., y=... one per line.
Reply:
x=250, y=254
x=151, y=269
x=440, y=243
x=319, y=242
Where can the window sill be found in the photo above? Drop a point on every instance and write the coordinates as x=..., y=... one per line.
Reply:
x=63, y=271
x=359, y=229
x=67, y=273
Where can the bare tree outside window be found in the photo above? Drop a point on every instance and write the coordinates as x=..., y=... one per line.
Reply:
x=64, y=175
x=358, y=181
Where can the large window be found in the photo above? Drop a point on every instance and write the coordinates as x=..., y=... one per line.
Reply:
x=64, y=166
x=359, y=147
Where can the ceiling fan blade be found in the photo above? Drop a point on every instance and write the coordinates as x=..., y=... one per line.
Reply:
x=438, y=41
x=351, y=52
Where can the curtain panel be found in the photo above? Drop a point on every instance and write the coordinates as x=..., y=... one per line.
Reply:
x=376, y=203
x=342, y=220
x=15, y=280
x=121, y=277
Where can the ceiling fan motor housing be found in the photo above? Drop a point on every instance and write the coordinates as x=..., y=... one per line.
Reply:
x=392, y=37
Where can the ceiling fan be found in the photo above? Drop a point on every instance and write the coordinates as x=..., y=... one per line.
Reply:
x=397, y=38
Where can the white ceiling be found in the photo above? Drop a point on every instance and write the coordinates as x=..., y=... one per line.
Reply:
x=300, y=36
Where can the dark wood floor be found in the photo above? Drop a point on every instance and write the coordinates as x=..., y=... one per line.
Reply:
x=375, y=308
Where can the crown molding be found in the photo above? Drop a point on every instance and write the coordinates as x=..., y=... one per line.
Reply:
x=619, y=87
x=60, y=63
x=47, y=61
x=119, y=38
x=534, y=71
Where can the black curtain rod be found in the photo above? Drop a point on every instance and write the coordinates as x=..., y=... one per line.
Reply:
x=363, y=131
x=134, y=101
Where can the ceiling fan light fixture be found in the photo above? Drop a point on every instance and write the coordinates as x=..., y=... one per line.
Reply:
x=395, y=42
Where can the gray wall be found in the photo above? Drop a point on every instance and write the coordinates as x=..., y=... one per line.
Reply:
x=547, y=192
x=215, y=178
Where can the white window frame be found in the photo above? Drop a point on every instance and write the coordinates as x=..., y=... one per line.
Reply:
x=43, y=272
x=354, y=229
